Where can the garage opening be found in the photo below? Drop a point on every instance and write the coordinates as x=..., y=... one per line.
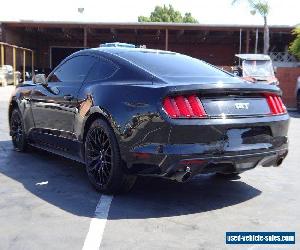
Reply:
x=60, y=53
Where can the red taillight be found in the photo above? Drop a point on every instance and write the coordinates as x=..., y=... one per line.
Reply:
x=184, y=107
x=169, y=108
x=275, y=104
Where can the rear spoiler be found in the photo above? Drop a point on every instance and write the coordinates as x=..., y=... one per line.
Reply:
x=210, y=88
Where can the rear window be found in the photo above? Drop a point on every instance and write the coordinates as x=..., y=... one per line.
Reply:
x=172, y=64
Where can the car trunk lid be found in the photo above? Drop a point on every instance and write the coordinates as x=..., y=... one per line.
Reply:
x=226, y=100
x=235, y=106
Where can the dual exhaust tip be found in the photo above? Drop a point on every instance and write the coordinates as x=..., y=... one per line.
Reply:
x=183, y=176
x=186, y=174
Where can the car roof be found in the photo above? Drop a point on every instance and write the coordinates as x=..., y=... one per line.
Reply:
x=121, y=50
x=118, y=52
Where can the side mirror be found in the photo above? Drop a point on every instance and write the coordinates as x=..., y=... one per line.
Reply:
x=275, y=69
x=40, y=79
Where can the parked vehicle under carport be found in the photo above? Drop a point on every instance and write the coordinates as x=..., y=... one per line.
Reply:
x=255, y=68
x=8, y=75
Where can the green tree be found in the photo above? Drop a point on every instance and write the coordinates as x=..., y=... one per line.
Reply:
x=188, y=18
x=167, y=14
x=295, y=45
x=263, y=8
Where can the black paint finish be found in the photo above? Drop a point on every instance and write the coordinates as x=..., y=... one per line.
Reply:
x=129, y=97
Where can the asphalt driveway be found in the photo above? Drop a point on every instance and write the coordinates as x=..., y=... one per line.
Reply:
x=46, y=202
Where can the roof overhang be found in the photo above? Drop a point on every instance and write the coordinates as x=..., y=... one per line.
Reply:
x=141, y=25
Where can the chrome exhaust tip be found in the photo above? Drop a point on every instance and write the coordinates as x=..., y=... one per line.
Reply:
x=183, y=176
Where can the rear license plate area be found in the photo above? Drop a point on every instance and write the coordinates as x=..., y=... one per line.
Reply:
x=253, y=138
x=235, y=106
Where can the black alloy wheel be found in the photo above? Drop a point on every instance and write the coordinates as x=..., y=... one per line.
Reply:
x=17, y=131
x=103, y=162
x=99, y=156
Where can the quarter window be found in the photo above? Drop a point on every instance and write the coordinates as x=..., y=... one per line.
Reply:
x=73, y=70
x=102, y=69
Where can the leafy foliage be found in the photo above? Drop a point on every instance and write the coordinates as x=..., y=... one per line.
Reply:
x=263, y=8
x=188, y=18
x=295, y=45
x=260, y=6
x=169, y=15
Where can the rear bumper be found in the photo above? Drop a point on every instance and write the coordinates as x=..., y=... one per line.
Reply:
x=227, y=164
x=214, y=145
x=168, y=165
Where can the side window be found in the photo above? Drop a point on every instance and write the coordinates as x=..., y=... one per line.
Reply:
x=102, y=69
x=73, y=70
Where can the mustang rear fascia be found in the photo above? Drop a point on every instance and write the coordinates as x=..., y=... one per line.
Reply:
x=224, y=143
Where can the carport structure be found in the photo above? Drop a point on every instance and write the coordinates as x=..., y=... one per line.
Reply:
x=217, y=44
x=12, y=53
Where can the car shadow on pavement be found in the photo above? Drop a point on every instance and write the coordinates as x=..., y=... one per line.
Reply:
x=56, y=180
x=63, y=183
x=155, y=197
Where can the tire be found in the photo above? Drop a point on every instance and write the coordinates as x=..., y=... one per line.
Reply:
x=103, y=160
x=17, y=131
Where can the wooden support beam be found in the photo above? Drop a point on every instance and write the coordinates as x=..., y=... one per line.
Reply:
x=13, y=46
x=15, y=49
x=167, y=40
x=32, y=62
x=240, y=46
x=256, y=41
x=2, y=54
x=14, y=64
x=247, y=40
x=24, y=65
x=85, y=37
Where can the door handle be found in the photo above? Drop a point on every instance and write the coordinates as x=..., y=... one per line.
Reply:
x=68, y=97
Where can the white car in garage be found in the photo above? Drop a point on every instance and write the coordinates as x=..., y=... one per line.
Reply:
x=8, y=75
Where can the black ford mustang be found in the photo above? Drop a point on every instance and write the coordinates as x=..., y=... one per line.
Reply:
x=130, y=111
